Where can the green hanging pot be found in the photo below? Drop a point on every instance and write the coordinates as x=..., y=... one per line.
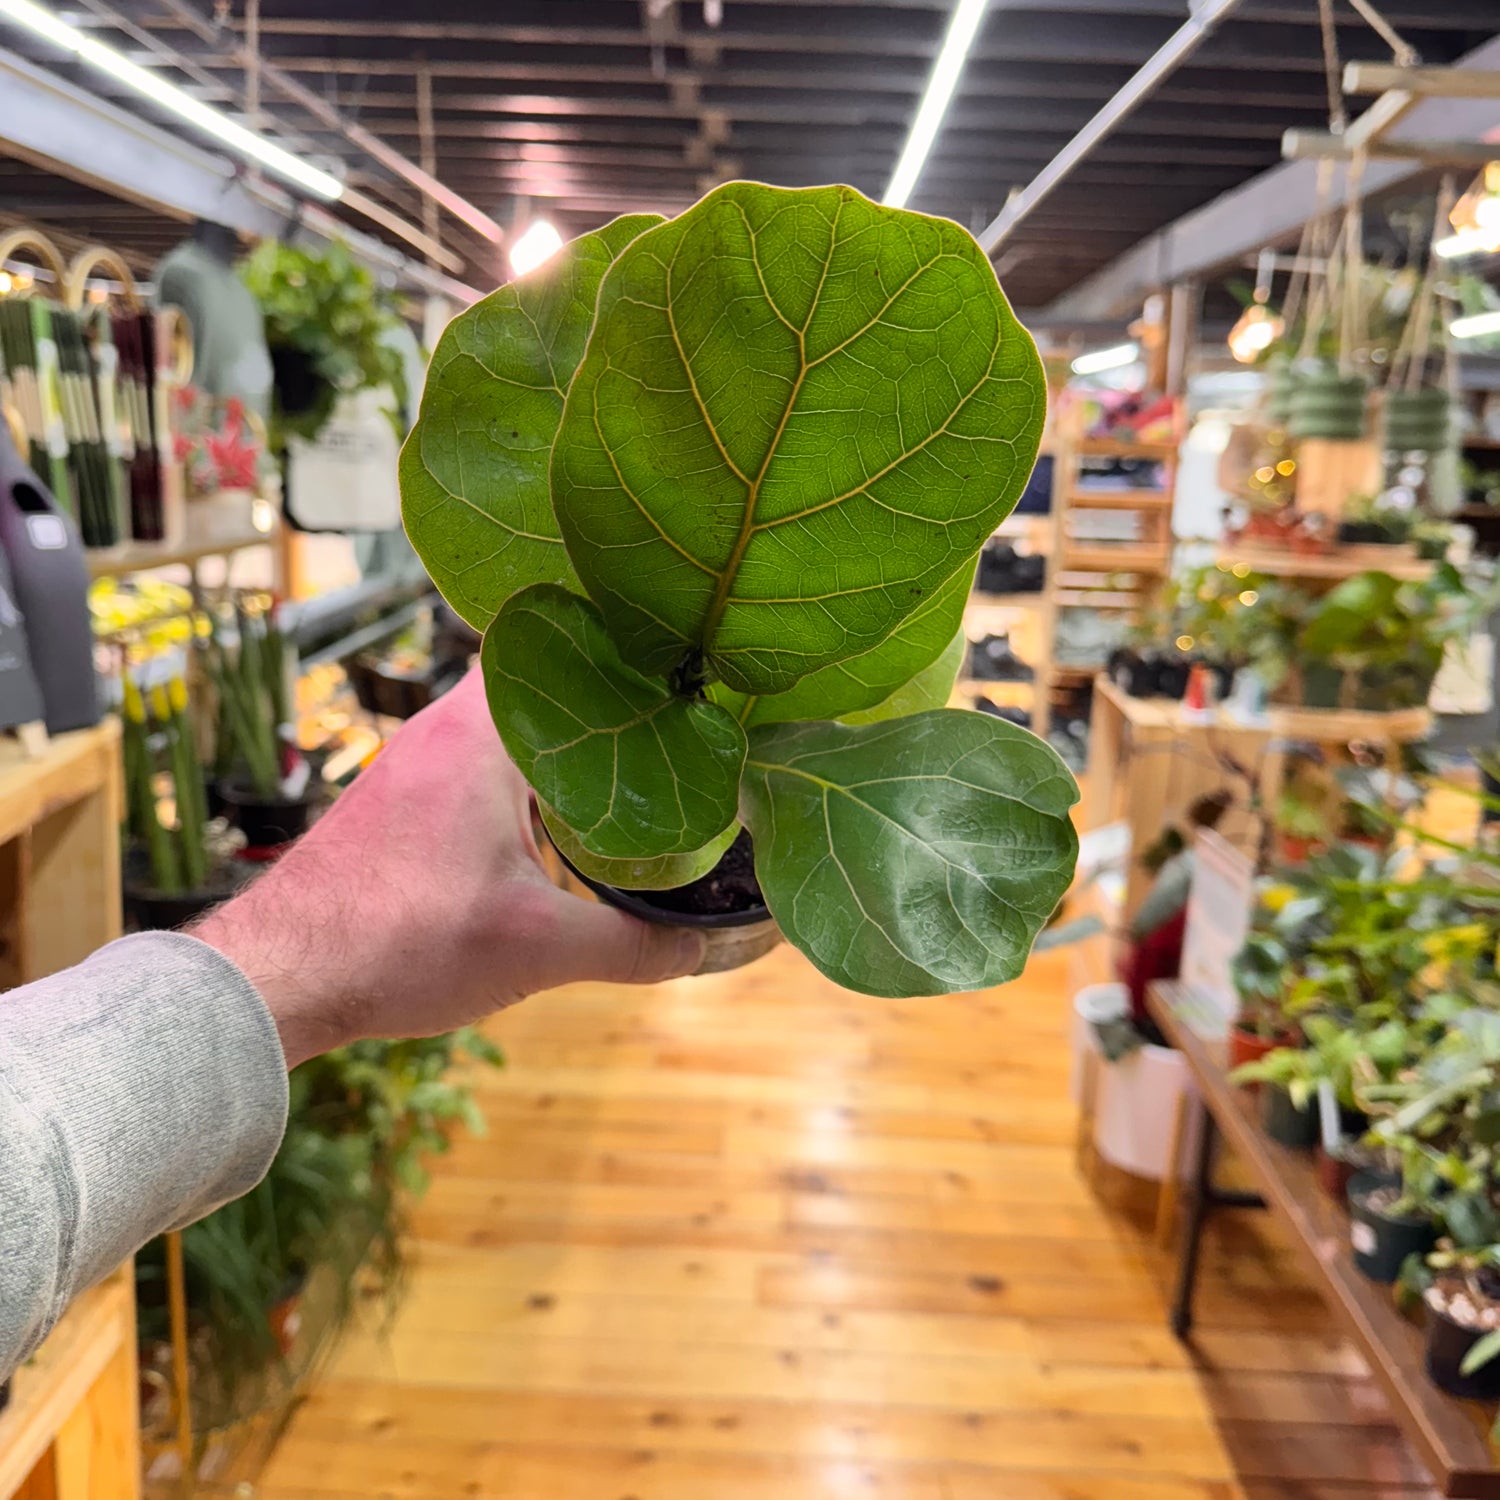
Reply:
x=1282, y=380
x=1417, y=421
x=1328, y=405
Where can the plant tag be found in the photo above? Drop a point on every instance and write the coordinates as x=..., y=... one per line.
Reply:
x=1362, y=1237
x=1328, y=1116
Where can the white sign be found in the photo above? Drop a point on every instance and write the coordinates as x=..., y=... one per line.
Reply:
x=346, y=480
x=1218, y=917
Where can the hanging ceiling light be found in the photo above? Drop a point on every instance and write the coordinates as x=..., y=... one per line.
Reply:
x=1475, y=218
x=540, y=243
x=105, y=59
x=1258, y=327
x=1476, y=325
x=1116, y=357
x=967, y=14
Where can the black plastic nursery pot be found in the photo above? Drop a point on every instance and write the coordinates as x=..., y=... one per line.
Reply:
x=150, y=910
x=1284, y=1122
x=1448, y=1344
x=1381, y=1242
x=299, y=387
x=268, y=822
x=736, y=935
x=1322, y=684
x=1132, y=673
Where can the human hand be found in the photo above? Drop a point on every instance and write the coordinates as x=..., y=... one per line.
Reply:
x=419, y=903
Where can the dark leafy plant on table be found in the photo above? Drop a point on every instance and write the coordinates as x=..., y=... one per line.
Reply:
x=714, y=489
x=326, y=324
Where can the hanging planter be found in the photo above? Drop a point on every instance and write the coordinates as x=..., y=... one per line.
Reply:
x=1327, y=405
x=1417, y=421
x=1283, y=380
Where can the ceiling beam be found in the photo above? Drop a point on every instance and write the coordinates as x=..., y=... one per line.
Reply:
x=1270, y=208
x=55, y=125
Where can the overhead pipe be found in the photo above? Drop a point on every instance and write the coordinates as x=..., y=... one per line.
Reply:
x=456, y=204
x=1165, y=60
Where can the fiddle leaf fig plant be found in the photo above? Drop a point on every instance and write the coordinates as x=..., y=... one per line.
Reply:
x=714, y=488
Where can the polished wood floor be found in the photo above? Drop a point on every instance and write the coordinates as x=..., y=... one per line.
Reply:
x=754, y=1236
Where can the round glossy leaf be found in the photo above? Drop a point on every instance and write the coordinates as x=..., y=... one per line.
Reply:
x=915, y=857
x=932, y=687
x=474, y=488
x=800, y=413
x=665, y=873
x=866, y=681
x=635, y=771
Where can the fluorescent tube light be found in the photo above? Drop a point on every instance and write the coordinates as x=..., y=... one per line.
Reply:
x=150, y=85
x=540, y=243
x=1116, y=357
x=967, y=14
x=1475, y=325
x=1468, y=242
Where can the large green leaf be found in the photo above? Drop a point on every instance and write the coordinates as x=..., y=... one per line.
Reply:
x=635, y=771
x=474, y=489
x=914, y=857
x=665, y=873
x=799, y=414
x=932, y=687
x=867, y=680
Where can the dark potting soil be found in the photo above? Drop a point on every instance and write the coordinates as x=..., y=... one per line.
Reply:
x=729, y=887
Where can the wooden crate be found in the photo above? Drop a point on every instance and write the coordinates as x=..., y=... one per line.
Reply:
x=71, y=1429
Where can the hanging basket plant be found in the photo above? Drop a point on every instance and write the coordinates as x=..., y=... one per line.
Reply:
x=1417, y=420
x=1325, y=404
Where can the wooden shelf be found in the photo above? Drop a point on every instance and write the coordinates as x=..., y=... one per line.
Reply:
x=141, y=557
x=70, y=1431
x=1119, y=448
x=59, y=1399
x=1284, y=563
x=1115, y=557
x=1087, y=499
x=1337, y=726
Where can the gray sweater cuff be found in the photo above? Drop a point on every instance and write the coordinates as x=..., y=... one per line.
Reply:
x=148, y=1086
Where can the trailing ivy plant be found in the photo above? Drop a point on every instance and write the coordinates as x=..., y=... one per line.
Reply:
x=714, y=489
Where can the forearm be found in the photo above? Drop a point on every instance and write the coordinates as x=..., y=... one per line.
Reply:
x=138, y=1091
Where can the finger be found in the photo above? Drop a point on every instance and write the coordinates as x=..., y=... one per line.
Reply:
x=598, y=942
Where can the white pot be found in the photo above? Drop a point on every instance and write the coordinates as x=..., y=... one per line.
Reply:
x=1093, y=1003
x=1136, y=1108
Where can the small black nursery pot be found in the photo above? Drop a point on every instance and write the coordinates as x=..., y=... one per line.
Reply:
x=1380, y=1240
x=1448, y=1345
x=725, y=905
x=1284, y=1122
x=268, y=822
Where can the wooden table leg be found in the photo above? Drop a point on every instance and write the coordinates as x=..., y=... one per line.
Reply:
x=1199, y=1199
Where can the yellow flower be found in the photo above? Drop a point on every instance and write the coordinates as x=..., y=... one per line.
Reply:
x=177, y=695
x=160, y=704
x=1275, y=898
x=135, y=708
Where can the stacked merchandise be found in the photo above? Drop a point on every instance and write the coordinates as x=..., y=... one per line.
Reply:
x=82, y=385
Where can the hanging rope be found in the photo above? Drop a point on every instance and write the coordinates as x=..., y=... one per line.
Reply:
x=1402, y=51
x=1306, y=266
x=1421, y=316
x=1350, y=330
x=1338, y=117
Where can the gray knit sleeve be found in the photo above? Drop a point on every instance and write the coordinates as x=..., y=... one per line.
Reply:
x=138, y=1091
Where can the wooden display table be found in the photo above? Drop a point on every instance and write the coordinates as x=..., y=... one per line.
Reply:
x=1149, y=761
x=1450, y=1435
x=71, y=1429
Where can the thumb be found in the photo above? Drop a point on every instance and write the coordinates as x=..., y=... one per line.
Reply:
x=601, y=942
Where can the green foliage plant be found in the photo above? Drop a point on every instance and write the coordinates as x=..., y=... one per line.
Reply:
x=326, y=306
x=714, y=488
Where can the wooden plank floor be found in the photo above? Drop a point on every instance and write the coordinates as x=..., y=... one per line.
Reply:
x=753, y=1236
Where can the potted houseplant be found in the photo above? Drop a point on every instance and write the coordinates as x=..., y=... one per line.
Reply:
x=327, y=325
x=175, y=867
x=264, y=784
x=1388, y=1221
x=714, y=597
x=1458, y=1288
x=1289, y=1097
x=1327, y=404
x=1366, y=521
